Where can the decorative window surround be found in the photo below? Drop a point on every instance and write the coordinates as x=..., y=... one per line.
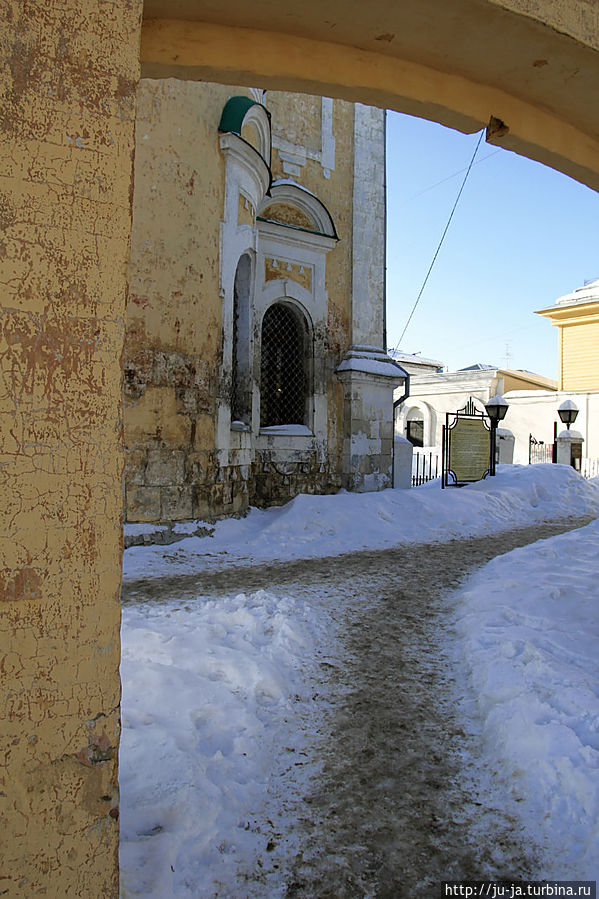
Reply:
x=241, y=113
x=247, y=176
x=296, y=249
x=294, y=156
x=288, y=192
x=327, y=159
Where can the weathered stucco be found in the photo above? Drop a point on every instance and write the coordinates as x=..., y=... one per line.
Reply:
x=531, y=64
x=183, y=458
x=68, y=76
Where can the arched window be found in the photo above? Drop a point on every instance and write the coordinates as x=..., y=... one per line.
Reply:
x=241, y=388
x=415, y=427
x=283, y=367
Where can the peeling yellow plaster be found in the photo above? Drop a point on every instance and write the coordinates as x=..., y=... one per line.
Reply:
x=68, y=95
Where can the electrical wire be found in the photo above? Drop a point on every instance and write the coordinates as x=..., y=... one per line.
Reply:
x=457, y=200
x=444, y=180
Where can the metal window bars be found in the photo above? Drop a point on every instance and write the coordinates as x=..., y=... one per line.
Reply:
x=283, y=375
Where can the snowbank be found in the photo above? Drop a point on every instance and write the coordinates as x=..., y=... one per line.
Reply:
x=530, y=626
x=211, y=692
x=312, y=526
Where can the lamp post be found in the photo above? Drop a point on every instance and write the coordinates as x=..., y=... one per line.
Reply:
x=568, y=412
x=496, y=408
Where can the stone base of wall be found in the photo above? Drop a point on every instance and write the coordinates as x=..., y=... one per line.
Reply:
x=274, y=483
x=163, y=485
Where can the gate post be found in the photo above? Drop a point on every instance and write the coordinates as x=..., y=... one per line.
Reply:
x=569, y=449
x=402, y=462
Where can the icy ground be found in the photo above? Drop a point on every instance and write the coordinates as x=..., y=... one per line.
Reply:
x=242, y=708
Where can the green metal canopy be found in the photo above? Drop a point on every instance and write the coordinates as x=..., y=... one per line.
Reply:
x=235, y=111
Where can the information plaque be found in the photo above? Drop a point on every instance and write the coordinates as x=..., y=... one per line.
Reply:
x=466, y=446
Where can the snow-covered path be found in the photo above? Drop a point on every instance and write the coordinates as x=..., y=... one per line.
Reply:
x=379, y=796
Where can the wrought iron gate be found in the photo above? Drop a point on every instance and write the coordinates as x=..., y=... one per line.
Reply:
x=539, y=451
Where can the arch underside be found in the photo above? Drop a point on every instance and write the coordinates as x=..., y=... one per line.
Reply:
x=530, y=70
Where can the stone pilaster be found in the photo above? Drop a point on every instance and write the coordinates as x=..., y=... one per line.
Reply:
x=368, y=375
x=368, y=266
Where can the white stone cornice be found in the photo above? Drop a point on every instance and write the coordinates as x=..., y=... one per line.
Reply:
x=287, y=235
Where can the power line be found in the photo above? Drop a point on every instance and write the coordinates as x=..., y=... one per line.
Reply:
x=424, y=283
x=443, y=180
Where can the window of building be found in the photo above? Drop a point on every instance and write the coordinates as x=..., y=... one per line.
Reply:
x=415, y=431
x=283, y=367
x=241, y=388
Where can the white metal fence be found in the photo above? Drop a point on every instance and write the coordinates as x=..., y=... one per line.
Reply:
x=589, y=468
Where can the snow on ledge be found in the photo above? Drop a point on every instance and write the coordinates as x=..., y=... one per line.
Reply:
x=287, y=431
x=372, y=361
x=570, y=435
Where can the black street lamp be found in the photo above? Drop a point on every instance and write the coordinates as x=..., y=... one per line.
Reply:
x=568, y=412
x=496, y=408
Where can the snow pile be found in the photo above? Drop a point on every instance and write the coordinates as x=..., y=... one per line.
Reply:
x=211, y=692
x=216, y=701
x=530, y=624
x=312, y=526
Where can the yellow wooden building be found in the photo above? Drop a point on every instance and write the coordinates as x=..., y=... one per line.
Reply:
x=576, y=316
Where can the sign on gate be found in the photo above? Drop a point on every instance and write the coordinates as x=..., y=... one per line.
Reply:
x=466, y=449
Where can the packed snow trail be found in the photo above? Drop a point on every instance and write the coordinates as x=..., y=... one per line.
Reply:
x=330, y=571
x=387, y=803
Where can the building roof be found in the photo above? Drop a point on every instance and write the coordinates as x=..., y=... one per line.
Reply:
x=588, y=293
x=479, y=366
x=414, y=358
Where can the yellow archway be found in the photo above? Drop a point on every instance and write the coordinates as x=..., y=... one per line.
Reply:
x=527, y=68
x=531, y=76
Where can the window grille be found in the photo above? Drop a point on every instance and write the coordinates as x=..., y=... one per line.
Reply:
x=283, y=376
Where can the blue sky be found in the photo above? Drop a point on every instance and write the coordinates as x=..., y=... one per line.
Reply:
x=522, y=236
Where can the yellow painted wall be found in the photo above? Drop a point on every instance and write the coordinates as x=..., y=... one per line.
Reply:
x=533, y=66
x=67, y=74
x=174, y=334
x=578, y=343
x=174, y=340
x=580, y=356
x=513, y=382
